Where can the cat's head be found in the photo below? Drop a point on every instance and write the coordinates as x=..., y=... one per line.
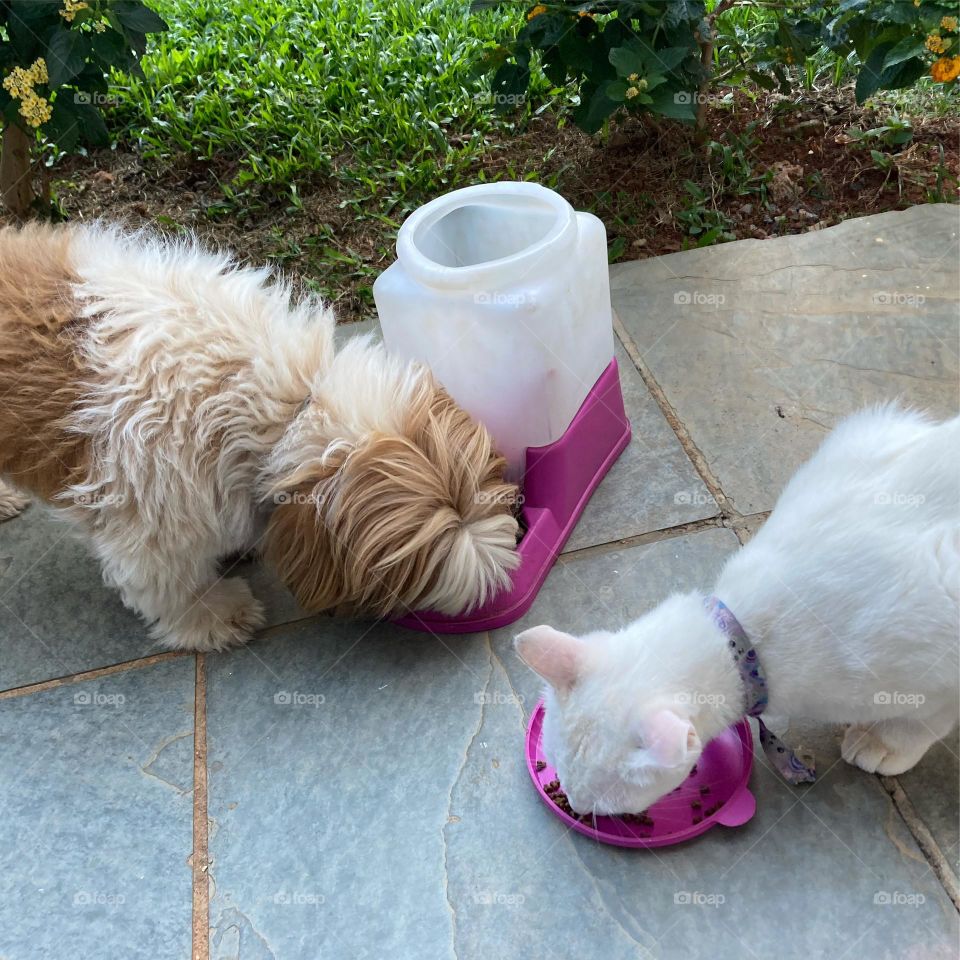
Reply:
x=620, y=722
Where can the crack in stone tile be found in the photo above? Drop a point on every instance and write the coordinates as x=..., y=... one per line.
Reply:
x=517, y=698
x=155, y=756
x=453, y=786
x=246, y=942
x=595, y=883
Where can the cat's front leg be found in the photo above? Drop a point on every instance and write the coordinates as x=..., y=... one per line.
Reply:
x=890, y=747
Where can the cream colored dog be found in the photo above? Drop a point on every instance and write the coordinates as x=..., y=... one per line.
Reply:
x=180, y=408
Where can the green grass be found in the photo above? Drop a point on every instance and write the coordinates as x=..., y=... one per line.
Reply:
x=379, y=93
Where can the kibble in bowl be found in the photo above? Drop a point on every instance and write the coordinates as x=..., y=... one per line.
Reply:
x=715, y=792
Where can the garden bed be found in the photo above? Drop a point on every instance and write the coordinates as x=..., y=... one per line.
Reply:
x=779, y=165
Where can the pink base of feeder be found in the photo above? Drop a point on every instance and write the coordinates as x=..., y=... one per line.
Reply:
x=715, y=792
x=558, y=482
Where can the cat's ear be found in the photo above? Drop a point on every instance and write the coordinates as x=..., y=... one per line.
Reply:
x=669, y=739
x=558, y=657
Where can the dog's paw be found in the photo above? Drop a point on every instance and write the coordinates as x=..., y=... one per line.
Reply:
x=227, y=615
x=12, y=502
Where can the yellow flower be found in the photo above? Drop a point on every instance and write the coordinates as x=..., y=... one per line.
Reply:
x=536, y=11
x=35, y=110
x=935, y=43
x=946, y=69
x=633, y=78
x=71, y=8
x=38, y=71
x=632, y=92
x=99, y=26
x=949, y=23
x=18, y=83
x=916, y=3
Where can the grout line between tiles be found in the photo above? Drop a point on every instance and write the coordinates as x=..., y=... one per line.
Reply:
x=924, y=838
x=200, y=858
x=90, y=674
x=698, y=460
x=666, y=533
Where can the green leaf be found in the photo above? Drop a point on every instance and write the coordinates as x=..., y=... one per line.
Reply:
x=907, y=48
x=670, y=57
x=675, y=104
x=138, y=18
x=627, y=59
x=762, y=80
x=617, y=90
x=616, y=249
x=92, y=128
x=66, y=56
x=595, y=107
x=63, y=127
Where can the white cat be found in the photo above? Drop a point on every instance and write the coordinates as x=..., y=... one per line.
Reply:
x=848, y=594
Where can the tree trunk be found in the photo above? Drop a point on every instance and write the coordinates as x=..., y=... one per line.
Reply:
x=16, y=173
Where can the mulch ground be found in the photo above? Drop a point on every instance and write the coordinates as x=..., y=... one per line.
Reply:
x=804, y=173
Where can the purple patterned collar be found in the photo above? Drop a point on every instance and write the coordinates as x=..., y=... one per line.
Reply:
x=783, y=759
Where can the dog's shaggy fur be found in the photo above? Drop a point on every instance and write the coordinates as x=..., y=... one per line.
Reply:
x=181, y=408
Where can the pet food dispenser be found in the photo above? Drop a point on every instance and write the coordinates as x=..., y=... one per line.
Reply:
x=502, y=289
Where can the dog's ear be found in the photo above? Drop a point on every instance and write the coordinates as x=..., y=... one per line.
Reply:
x=299, y=545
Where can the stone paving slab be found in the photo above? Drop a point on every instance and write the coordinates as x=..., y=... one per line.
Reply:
x=652, y=486
x=761, y=346
x=402, y=822
x=57, y=617
x=933, y=787
x=96, y=817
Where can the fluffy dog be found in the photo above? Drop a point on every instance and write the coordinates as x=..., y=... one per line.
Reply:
x=181, y=408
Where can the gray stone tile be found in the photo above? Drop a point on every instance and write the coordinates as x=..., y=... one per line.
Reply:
x=56, y=615
x=933, y=787
x=389, y=767
x=652, y=485
x=761, y=346
x=96, y=786
x=345, y=739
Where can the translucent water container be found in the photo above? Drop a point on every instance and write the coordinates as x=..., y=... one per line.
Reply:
x=503, y=290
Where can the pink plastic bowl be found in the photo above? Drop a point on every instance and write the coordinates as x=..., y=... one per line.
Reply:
x=718, y=780
x=557, y=484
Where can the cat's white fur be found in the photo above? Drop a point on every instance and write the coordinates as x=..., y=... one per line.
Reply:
x=849, y=593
